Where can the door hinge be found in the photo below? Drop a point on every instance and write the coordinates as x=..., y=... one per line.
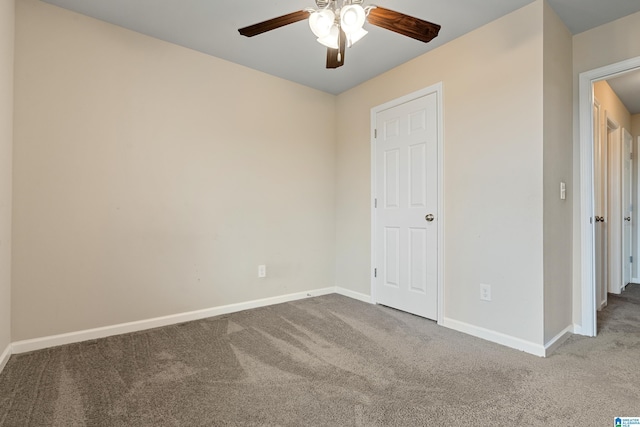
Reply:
x=375, y=203
x=631, y=156
x=375, y=272
x=631, y=259
x=375, y=133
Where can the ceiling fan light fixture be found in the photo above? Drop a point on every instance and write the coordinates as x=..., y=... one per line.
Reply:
x=331, y=40
x=321, y=22
x=353, y=37
x=339, y=23
x=352, y=18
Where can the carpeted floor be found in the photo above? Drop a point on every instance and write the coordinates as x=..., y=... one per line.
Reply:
x=327, y=361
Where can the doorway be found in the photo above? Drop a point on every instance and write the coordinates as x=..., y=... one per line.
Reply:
x=591, y=205
x=612, y=198
x=407, y=212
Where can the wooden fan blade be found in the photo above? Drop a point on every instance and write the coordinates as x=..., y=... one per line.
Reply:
x=272, y=24
x=335, y=57
x=403, y=24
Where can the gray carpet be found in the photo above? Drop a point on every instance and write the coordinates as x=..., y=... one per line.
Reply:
x=327, y=361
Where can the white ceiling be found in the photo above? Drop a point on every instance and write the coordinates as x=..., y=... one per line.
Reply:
x=292, y=53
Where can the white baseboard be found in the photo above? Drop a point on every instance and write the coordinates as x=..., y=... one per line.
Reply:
x=141, y=325
x=557, y=341
x=123, y=328
x=353, y=294
x=577, y=329
x=494, y=336
x=4, y=357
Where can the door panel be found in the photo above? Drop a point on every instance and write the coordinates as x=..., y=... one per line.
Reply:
x=417, y=176
x=392, y=179
x=627, y=207
x=406, y=180
x=615, y=217
x=417, y=255
x=392, y=257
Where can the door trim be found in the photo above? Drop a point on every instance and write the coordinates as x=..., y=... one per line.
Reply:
x=615, y=214
x=635, y=218
x=626, y=191
x=587, y=246
x=438, y=90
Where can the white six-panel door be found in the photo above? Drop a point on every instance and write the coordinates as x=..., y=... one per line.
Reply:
x=406, y=213
x=627, y=197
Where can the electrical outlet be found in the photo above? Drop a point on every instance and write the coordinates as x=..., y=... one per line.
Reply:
x=485, y=292
x=262, y=271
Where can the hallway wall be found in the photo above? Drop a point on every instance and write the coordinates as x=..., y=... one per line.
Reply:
x=7, y=21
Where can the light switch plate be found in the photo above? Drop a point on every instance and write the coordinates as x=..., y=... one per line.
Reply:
x=485, y=292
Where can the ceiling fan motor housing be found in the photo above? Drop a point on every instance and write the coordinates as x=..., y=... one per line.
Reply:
x=324, y=3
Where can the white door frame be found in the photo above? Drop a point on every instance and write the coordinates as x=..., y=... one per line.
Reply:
x=587, y=247
x=600, y=194
x=437, y=89
x=626, y=196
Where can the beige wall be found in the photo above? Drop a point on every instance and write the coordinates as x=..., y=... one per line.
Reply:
x=7, y=18
x=635, y=126
x=493, y=167
x=558, y=128
x=151, y=179
x=611, y=104
x=607, y=44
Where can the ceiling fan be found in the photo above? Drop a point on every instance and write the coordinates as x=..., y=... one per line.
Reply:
x=339, y=23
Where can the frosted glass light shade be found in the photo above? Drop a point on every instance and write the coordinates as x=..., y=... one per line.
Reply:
x=321, y=22
x=353, y=37
x=352, y=18
x=331, y=40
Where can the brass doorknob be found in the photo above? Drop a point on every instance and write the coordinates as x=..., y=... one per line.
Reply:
x=429, y=217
